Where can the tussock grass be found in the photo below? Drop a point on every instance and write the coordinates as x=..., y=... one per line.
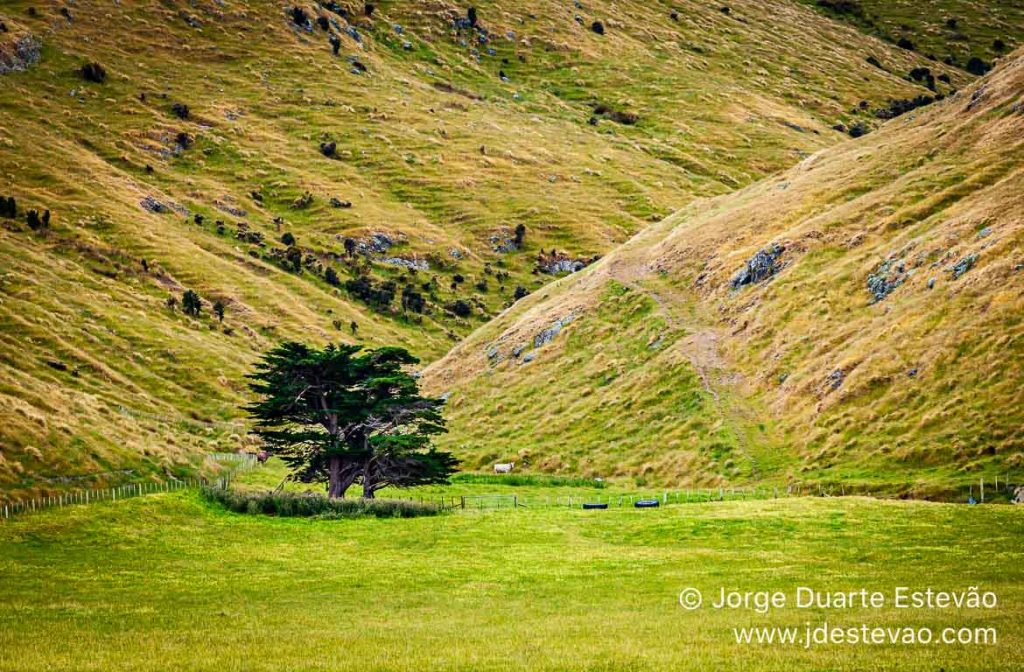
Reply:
x=309, y=504
x=711, y=91
x=669, y=375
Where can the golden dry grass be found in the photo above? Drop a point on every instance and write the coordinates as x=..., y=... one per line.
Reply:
x=927, y=190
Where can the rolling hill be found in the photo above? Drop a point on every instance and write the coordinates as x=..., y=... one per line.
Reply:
x=855, y=319
x=371, y=194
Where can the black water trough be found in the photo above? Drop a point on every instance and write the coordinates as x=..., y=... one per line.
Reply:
x=646, y=503
x=595, y=505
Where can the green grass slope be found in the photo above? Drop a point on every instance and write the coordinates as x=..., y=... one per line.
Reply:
x=433, y=150
x=169, y=581
x=664, y=371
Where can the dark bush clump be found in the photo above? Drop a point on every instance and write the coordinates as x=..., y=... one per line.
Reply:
x=8, y=207
x=978, y=67
x=94, y=72
x=850, y=7
x=875, y=62
x=35, y=222
x=597, y=27
x=521, y=292
x=413, y=300
x=180, y=110
x=300, y=17
x=379, y=295
x=460, y=308
x=331, y=277
x=998, y=45
x=905, y=43
x=308, y=504
x=902, y=106
x=329, y=149
x=288, y=239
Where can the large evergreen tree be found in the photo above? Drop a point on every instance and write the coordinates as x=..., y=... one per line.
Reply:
x=342, y=415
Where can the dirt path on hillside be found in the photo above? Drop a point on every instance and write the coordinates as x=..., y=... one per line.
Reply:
x=701, y=347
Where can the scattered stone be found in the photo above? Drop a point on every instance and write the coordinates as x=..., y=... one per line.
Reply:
x=964, y=265
x=556, y=262
x=836, y=378
x=338, y=203
x=20, y=56
x=912, y=373
x=335, y=42
x=887, y=277
x=530, y=356
x=226, y=206
x=548, y=335
x=985, y=232
x=415, y=264
x=303, y=201
x=150, y=204
x=931, y=283
x=378, y=244
x=761, y=266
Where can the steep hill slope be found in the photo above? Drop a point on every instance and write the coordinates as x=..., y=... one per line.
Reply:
x=422, y=145
x=858, y=316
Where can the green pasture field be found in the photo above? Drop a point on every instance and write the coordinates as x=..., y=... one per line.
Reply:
x=173, y=582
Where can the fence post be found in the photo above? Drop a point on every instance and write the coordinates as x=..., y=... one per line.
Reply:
x=982, y=489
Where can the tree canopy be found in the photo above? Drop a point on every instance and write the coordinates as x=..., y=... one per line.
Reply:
x=343, y=415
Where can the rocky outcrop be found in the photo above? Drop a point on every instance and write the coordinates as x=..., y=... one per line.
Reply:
x=761, y=266
x=18, y=54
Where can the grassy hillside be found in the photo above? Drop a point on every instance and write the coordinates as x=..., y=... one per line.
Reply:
x=173, y=582
x=883, y=346
x=436, y=159
x=949, y=33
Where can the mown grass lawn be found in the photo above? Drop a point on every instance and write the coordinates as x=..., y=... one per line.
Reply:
x=170, y=582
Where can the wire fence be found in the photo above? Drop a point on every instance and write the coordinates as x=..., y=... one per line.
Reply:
x=235, y=461
x=994, y=489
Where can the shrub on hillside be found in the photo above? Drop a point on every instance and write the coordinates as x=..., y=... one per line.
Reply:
x=94, y=72
x=307, y=504
x=978, y=67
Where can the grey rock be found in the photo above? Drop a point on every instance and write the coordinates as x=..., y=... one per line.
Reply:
x=761, y=266
x=887, y=277
x=24, y=55
x=150, y=204
x=931, y=283
x=548, y=335
x=836, y=378
x=964, y=265
x=417, y=264
x=530, y=356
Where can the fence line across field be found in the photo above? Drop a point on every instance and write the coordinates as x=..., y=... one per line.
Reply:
x=481, y=502
x=238, y=461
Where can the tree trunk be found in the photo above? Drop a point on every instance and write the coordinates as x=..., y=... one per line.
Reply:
x=340, y=478
x=368, y=480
